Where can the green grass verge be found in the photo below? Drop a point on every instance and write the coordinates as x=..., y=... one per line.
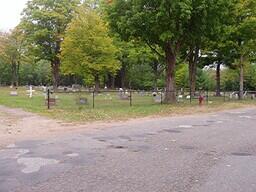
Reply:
x=109, y=107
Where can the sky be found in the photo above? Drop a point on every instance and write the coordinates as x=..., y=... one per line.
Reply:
x=10, y=11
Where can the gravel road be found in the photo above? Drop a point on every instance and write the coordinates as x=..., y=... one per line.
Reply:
x=202, y=153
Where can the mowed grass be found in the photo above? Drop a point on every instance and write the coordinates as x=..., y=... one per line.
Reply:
x=108, y=106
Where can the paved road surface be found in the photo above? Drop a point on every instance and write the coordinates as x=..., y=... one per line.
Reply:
x=204, y=153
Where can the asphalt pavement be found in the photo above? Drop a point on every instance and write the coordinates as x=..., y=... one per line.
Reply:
x=201, y=153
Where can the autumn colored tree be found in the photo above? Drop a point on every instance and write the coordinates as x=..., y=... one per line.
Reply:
x=88, y=50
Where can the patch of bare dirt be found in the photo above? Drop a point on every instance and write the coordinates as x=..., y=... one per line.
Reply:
x=16, y=124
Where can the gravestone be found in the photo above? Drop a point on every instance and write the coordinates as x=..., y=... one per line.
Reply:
x=142, y=93
x=123, y=95
x=180, y=98
x=52, y=102
x=82, y=101
x=76, y=87
x=13, y=93
x=157, y=99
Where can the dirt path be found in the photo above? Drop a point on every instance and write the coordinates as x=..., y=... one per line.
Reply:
x=16, y=125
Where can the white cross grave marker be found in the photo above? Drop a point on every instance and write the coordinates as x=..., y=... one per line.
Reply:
x=30, y=91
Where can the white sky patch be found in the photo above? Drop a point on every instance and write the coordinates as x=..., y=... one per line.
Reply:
x=10, y=13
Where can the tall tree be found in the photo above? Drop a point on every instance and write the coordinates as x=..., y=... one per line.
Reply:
x=206, y=22
x=160, y=24
x=44, y=23
x=12, y=52
x=243, y=35
x=87, y=49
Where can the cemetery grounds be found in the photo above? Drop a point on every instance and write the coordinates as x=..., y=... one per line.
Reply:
x=108, y=106
x=23, y=117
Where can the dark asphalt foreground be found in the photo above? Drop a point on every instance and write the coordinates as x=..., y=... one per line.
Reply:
x=204, y=153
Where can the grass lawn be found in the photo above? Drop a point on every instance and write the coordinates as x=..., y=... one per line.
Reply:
x=108, y=106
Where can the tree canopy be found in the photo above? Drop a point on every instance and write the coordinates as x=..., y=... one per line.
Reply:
x=88, y=50
x=165, y=24
x=44, y=23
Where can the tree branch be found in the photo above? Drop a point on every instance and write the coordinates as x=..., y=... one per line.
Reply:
x=154, y=50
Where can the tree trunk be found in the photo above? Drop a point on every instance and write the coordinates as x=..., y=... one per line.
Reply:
x=18, y=74
x=192, y=77
x=14, y=76
x=241, y=79
x=154, y=66
x=122, y=77
x=170, y=95
x=193, y=59
x=97, y=83
x=56, y=72
x=218, y=79
x=112, y=82
x=56, y=65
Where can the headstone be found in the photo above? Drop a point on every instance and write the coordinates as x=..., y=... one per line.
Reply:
x=142, y=93
x=13, y=93
x=82, y=101
x=158, y=98
x=76, y=87
x=123, y=95
x=180, y=98
x=52, y=101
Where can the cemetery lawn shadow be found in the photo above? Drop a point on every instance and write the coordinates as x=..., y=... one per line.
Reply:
x=108, y=107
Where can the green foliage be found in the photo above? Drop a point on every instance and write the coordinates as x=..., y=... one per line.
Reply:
x=38, y=73
x=205, y=79
x=5, y=73
x=230, y=79
x=243, y=27
x=44, y=23
x=146, y=38
x=88, y=50
x=12, y=52
x=182, y=78
x=250, y=77
x=155, y=22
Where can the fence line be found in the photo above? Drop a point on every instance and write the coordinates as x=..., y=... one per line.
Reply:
x=133, y=96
